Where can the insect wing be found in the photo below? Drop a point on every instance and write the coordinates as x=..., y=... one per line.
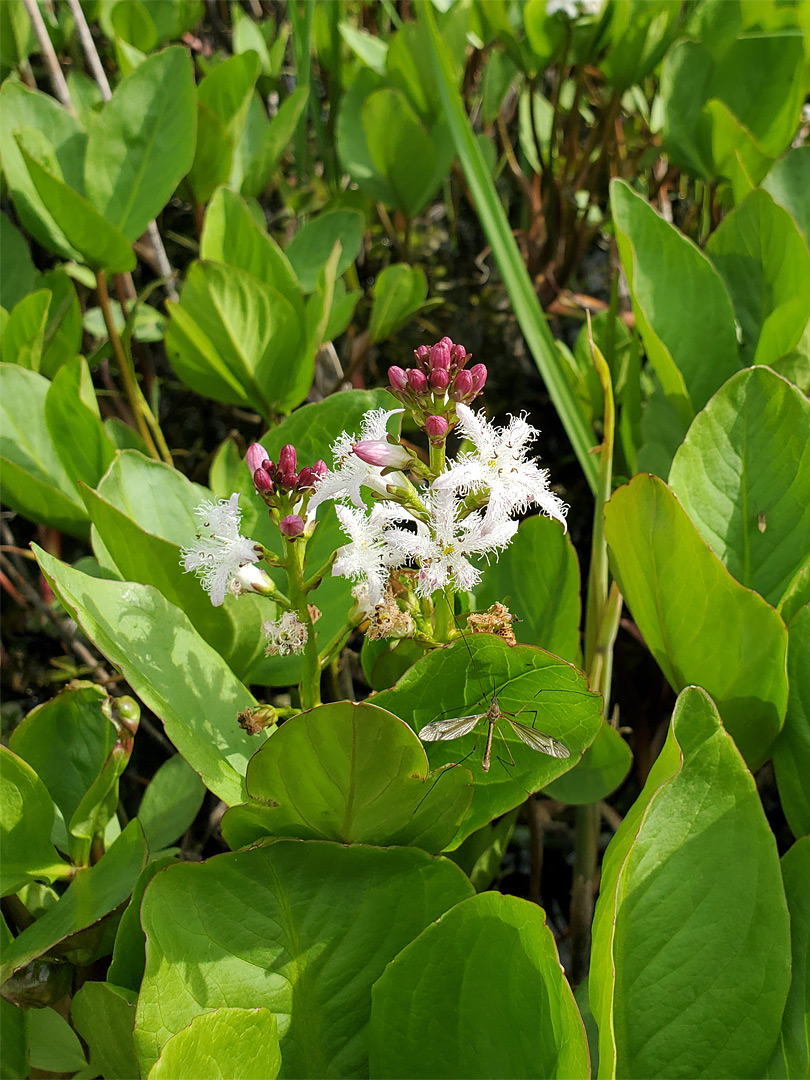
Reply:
x=536, y=740
x=452, y=728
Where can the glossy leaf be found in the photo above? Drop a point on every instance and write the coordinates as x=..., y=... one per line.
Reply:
x=93, y=893
x=701, y=625
x=765, y=264
x=791, y=753
x=104, y=1016
x=169, y=666
x=400, y=292
x=74, y=424
x=310, y=248
x=691, y=942
x=787, y=183
x=170, y=803
x=142, y=144
x=225, y=1044
x=743, y=476
x=537, y=578
x=479, y=993
x=688, y=332
x=601, y=770
x=302, y=928
x=792, y=1055
x=352, y=773
x=27, y=818
x=536, y=688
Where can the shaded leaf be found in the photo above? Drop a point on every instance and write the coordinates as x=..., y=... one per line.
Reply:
x=26, y=826
x=104, y=1016
x=791, y=753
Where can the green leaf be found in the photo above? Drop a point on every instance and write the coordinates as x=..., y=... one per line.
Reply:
x=791, y=753
x=53, y=1045
x=23, y=335
x=400, y=292
x=603, y=767
x=67, y=741
x=498, y=231
x=787, y=183
x=277, y=136
x=129, y=951
x=14, y=1061
x=688, y=331
x=71, y=415
x=480, y=992
x=765, y=264
x=701, y=625
x=537, y=578
x=352, y=142
x=352, y=773
x=371, y=50
x=20, y=109
x=148, y=324
x=170, y=803
x=142, y=143
x=225, y=1044
x=233, y=338
x=743, y=476
x=302, y=928
x=104, y=1016
x=34, y=480
x=310, y=248
x=63, y=330
x=792, y=1055
x=169, y=666
x=538, y=689
x=17, y=270
x=92, y=894
x=691, y=942
x=102, y=246
x=27, y=817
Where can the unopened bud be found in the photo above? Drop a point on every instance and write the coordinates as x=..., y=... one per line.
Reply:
x=417, y=380
x=384, y=455
x=398, y=378
x=291, y=526
x=256, y=457
x=262, y=480
x=479, y=377
x=439, y=380
x=440, y=354
x=319, y=469
x=459, y=356
x=422, y=357
x=306, y=478
x=462, y=385
x=436, y=427
x=287, y=461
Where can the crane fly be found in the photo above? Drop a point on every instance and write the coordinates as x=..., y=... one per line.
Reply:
x=457, y=726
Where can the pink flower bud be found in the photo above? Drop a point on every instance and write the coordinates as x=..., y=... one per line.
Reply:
x=439, y=380
x=422, y=357
x=292, y=525
x=436, y=427
x=263, y=480
x=306, y=478
x=319, y=469
x=462, y=385
x=440, y=354
x=417, y=381
x=287, y=460
x=459, y=356
x=398, y=378
x=255, y=457
x=384, y=455
x=479, y=377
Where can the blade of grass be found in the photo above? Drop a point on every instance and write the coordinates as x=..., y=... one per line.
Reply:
x=527, y=308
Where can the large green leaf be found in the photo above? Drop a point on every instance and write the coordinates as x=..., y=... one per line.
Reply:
x=537, y=578
x=765, y=264
x=23, y=108
x=225, y=1044
x=258, y=169
x=104, y=1016
x=400, y=292
x=353, y=773
x=791, y=753
x=480, y=992
x=691, y=944
x=598, y=773
x=233, y=338
x=27, y=818
x=792, y=1055
x=787, y=184
x=310, y=248
x=74, y=424
x=688, y=331
x=142, y=144
x=536, y=688
x=169, y=666
x=35, y=482
x=743, y=476
x=701, y=625
x=302, y=928
x=92, y=894
x=170, y=803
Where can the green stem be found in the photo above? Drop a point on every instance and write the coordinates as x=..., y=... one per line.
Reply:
x=311, y=669
x=582, y=891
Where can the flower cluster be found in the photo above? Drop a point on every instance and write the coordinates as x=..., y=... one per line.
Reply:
x=223, y=559
x=439, y=381
x=285, y=491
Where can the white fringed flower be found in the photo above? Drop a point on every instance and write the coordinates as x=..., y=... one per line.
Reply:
x=442, y=547
x=572, y=9
x=350, y=472
x=499, y=465
x=370, y=556
x=286, y=636
x=224, y=559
